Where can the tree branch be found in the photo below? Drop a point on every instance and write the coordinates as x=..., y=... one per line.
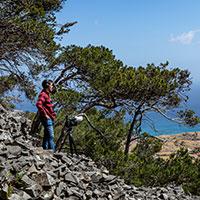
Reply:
x=177, y=120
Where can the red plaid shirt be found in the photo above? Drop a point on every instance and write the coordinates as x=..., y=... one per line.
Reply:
x=45, y=106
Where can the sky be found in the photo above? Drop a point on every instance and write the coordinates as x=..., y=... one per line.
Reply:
x=138, y=31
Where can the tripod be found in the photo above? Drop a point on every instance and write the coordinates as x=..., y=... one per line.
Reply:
x=67, y=133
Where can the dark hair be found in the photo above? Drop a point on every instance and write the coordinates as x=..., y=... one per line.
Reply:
x=46, y=83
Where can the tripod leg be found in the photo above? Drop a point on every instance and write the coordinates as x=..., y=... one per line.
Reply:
x=72, y=145
x=63, y=142
x=60, y=139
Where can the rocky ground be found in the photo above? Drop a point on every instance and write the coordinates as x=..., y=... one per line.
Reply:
x=29, y=172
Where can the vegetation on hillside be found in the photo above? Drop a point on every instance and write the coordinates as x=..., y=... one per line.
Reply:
x=142, y=168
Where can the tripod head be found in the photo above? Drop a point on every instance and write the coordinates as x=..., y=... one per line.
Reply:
x=74, y=121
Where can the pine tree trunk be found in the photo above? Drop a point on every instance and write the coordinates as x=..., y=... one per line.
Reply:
x=130, y=131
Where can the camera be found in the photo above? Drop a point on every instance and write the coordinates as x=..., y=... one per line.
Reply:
x=73, y=121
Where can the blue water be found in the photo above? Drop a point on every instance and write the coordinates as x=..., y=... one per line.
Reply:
x=162, y=125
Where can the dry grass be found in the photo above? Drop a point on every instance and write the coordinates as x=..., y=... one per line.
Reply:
x=189, y=140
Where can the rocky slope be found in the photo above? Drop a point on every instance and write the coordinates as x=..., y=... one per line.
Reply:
x=29, y=172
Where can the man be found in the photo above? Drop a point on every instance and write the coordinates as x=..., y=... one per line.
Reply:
x=47, y=114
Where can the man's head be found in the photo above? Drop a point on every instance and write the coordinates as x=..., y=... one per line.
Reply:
x=48, y=85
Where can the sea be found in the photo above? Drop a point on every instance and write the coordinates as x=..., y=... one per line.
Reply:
x=153, y=123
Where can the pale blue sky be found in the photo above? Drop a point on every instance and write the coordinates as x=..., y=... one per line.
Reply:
x=139, y=31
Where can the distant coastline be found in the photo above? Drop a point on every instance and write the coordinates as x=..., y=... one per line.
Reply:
x=172, y=143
